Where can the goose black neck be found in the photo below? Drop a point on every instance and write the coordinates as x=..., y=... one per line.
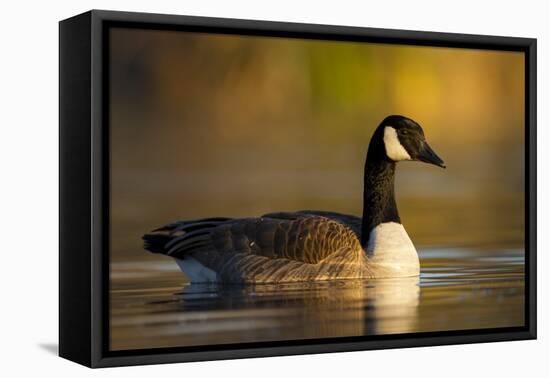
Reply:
x=378, y=194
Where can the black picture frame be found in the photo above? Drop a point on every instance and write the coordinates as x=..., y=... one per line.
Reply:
x=84, y=188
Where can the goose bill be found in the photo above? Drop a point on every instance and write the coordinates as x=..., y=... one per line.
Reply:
x=427, y=155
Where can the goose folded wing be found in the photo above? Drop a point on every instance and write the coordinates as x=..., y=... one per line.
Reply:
x=351, y=221
x=308, y=240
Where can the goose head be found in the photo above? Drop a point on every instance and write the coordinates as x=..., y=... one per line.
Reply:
x=403, y=139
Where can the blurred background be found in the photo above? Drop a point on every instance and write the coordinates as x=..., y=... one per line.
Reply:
x=218, y=125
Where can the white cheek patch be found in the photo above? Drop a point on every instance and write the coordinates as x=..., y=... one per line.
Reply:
x=394, y=149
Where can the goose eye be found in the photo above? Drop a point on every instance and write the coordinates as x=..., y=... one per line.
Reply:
x=403, y=132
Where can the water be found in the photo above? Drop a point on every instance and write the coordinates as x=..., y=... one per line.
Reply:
x=152, y=306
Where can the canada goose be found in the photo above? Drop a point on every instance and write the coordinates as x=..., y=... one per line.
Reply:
x=309, y=245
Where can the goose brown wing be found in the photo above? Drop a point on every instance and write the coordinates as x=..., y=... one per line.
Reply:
x=351, y=221
x=308, y=239
x=266, y=249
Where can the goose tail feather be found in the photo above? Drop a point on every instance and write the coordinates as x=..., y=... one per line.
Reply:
x=180, y=238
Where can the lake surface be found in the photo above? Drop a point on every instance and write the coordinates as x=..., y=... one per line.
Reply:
x=153, y=306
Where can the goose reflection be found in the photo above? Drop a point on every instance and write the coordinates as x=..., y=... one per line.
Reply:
x=301, y=310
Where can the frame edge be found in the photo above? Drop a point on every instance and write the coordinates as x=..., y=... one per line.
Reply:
x=531, y=169
x=74, y=189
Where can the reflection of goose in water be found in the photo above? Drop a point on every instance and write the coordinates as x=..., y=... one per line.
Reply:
x=309, y=245
x=317, y=309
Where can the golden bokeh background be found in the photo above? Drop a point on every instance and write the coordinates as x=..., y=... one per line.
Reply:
x=224, y=125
